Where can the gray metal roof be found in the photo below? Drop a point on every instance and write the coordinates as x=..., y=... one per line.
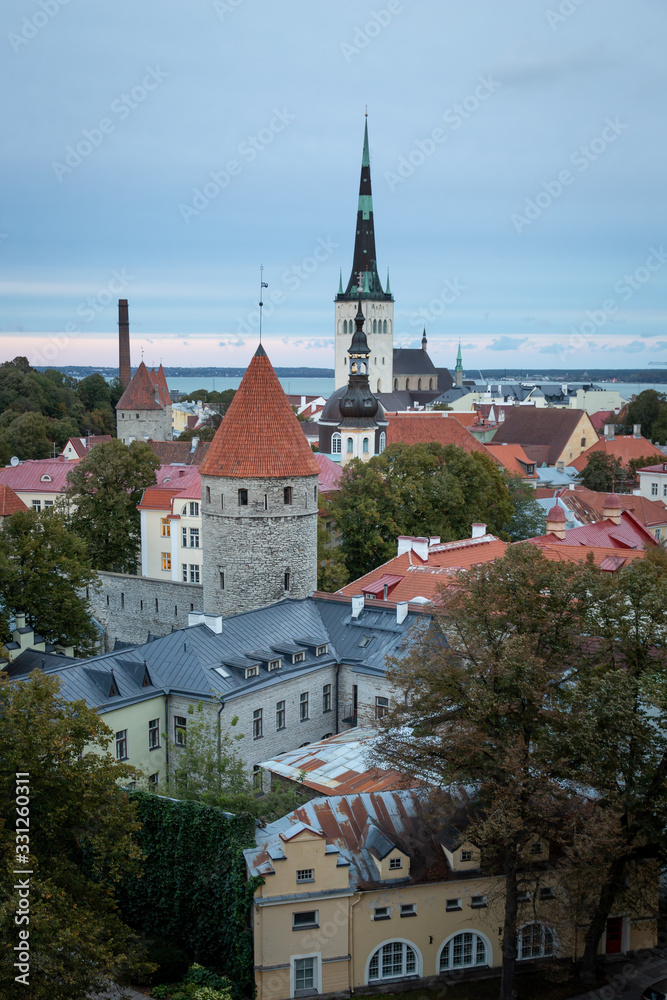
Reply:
x=194, y=661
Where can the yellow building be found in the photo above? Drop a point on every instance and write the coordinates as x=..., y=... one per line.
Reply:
x=357, y=892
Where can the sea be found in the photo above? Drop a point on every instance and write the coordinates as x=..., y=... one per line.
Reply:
x=325, y=386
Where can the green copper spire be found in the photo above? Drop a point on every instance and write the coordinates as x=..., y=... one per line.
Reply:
x=365, y=156
x=388, y=291
x=459, y=362
x=340, y=282
x=366, y=288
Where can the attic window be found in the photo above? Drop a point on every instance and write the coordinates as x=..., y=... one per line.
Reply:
x=466, y=855
x=382, y=913
x=478, y=902
x=45, y=478
x=147, y=680
x=298, y=657
x=305, y=874
x=113, y=690
x=453, y=904
x=275, y=664
x=547, y=893
x=536, y=848
x=365, y=640
x=251, y=672
x=395, y=863
x=321, y=650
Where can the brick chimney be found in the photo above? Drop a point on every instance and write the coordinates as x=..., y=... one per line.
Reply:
x=556, y=522
x=612, y=509
x=419, y=545
x=124, y=369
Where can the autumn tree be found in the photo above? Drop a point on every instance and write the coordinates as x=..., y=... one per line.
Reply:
x=79, y=842
x=103, y=492
x=485, y=683
x=44, y=573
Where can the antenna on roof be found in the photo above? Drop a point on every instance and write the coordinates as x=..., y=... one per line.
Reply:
x=262, y=284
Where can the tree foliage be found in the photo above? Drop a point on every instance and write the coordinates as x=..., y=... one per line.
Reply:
x=44, y=572
x=528, y=519
x=331, y=571
x=104, y=491
x=604, y=474
x=422, y=489
x=81, y=843
x=649, y=409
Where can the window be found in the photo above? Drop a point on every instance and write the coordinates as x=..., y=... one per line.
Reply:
x=326, y=698
x=583, y=442
x=349, y=446
x=184, y=572
x=654, y=490
x=166, y=560
x=478, y=902
x=383, y=442
x=382, y=913
x=121, y=745
x=547, y=892
x=222, y=580
x=304, y=975
x=535, y=941
x=307, y=918
x=287, y=495
x=222, y=501
x=303, y=707
x=180, y=730
x=165, y=527
x=208, y=494
x=37, y=505
x=392, y=961
x=463, y=950
x=47, y=504
x=466, y=855
x=153, y=780
x=184, y=537
x=251, y=672
x=157, y=606
x=523, y=896
x=153, y=734
x=336, y=443
x=275, y=664
x=381, y=707
x=266, y=501
x=536, y=848
x=257, y=778
x=286, y=579
x=363, y=642
x=194, y=509
x=364, y=446
x=194, y=573
x=122, y=600
x=280, y=715
x=194, y=538
x=453, y=904
x=243, y=498
x=137, y=415
x=664, y=490
x=305, y=874
x=321, y=650
x=408, y=910
x=395, y=863
x=257, y=724
x=298, y=657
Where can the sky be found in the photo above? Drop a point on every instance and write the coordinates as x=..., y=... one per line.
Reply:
x=162, y=151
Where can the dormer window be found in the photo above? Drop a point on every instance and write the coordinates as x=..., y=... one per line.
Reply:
x=275, y=664
x=298, y=657
x=395, y=863
x=321, y=650
x=466, y=855
x=45, y=478
x=251, y=672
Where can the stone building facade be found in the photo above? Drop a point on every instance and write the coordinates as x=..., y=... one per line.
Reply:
x=143, y=412
x=131, y=607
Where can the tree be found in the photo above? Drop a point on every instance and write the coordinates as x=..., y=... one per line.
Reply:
x=604, y=474
x=26, y=434
x=44, y=573
x=647, y=409
x=486, y=682
x=203, y=433
x=422, y=489
x=331, y=572
x=104, y=491
x=93, y=391
x=79, y=843
x=528, y=519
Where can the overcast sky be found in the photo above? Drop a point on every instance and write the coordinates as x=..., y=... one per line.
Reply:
x=161, y=150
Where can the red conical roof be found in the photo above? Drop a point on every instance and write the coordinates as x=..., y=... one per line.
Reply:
x=259, y=435
x=140, y=393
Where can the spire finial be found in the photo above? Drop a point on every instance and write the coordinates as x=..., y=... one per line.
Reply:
x=366, y=115
x=262, y=284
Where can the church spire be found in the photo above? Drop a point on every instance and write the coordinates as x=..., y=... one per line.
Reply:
x=365, y=257
x=458, y=371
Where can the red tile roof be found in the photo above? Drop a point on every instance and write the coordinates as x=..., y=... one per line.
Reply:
x=179, y=452
x=623, y=448
x=629, y=534
x=601, y=418
x=661, y=467
x=441, y=426
x=330, y=473
x=83, y=445
x=589, y=504
x=513, y=458
x=159, y=379
x=562, y=552
x=142, y=393
x=27, y=477
x=259, y=434
x=9, y=502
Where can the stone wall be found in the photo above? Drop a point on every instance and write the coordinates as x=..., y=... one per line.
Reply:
x=140, y=425
x=132, y=606
x=249, y=548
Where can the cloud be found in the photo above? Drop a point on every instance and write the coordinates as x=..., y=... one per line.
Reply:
x=634, y=346
x=661, y=345
x=232, y=342
x=551, y=349
x=507, y=343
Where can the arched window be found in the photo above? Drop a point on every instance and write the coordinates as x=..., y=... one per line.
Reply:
x=375, y=326
x=395, y=383
x=344, y=326
x=350, y=446
x=464, y=950
x=336, y=443
x=419, y=383
x=430, y=383
x=384, y=327
x=364, y=446
x=383, y=441
x=379, y=388
x=393, y=960
x=535, y=941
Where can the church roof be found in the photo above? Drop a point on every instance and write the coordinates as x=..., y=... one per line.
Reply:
x=141, y=393
x=259, y=434
x=9, y=502
x=412, y=361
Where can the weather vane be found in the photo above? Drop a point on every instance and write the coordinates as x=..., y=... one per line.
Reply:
x=262, y=284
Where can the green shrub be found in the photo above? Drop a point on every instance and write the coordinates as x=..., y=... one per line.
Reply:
x=172, y=962
x=207, y=977
x=161, y=992
x=206, y=993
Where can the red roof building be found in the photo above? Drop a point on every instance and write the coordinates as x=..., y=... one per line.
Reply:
x=624, y=448
x=143, y=392
x=513, y=460
x=620, y=530
x=259, y=435
x=9, y=502
x=79, y=447
x=441, y=426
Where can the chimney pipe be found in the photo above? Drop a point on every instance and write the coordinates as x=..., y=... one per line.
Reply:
x=609, y=432
x=357, y=605
x=401, y=612
x=557, y=521
x=124, y=369
x=637, y=430
x=478, y=530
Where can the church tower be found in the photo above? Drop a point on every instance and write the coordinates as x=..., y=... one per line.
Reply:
x=458, y=371
x=259, y=500
x=359, y=428
x=379, y=304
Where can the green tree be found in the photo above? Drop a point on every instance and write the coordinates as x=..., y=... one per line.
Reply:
x=331, y=572
x=203, y=433
x=486, y=682
x=647, y=409
x=26, y=434
x=604, y=474
x=93, y=391
x=79, y=843
x=104, y=491
x=422, y=489
x=528, y=519
x=44, y=572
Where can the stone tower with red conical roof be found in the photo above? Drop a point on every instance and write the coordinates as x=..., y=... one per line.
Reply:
x=259, y=500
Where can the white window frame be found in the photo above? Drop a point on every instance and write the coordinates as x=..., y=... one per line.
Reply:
x=195, y=574
x=543, y=924
x=304, y=702
x=473, y=965
x=153, y=734
x=305, y=875
x=419, y=962
x=467, y=855
x=180, y=730
x=304, y=926
x=382, y=912
x=317, y=969
x=457, y=904
x=408, y=910
x=121, y=743
x=194, y=509
x=194, y=538
x=336, y=443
